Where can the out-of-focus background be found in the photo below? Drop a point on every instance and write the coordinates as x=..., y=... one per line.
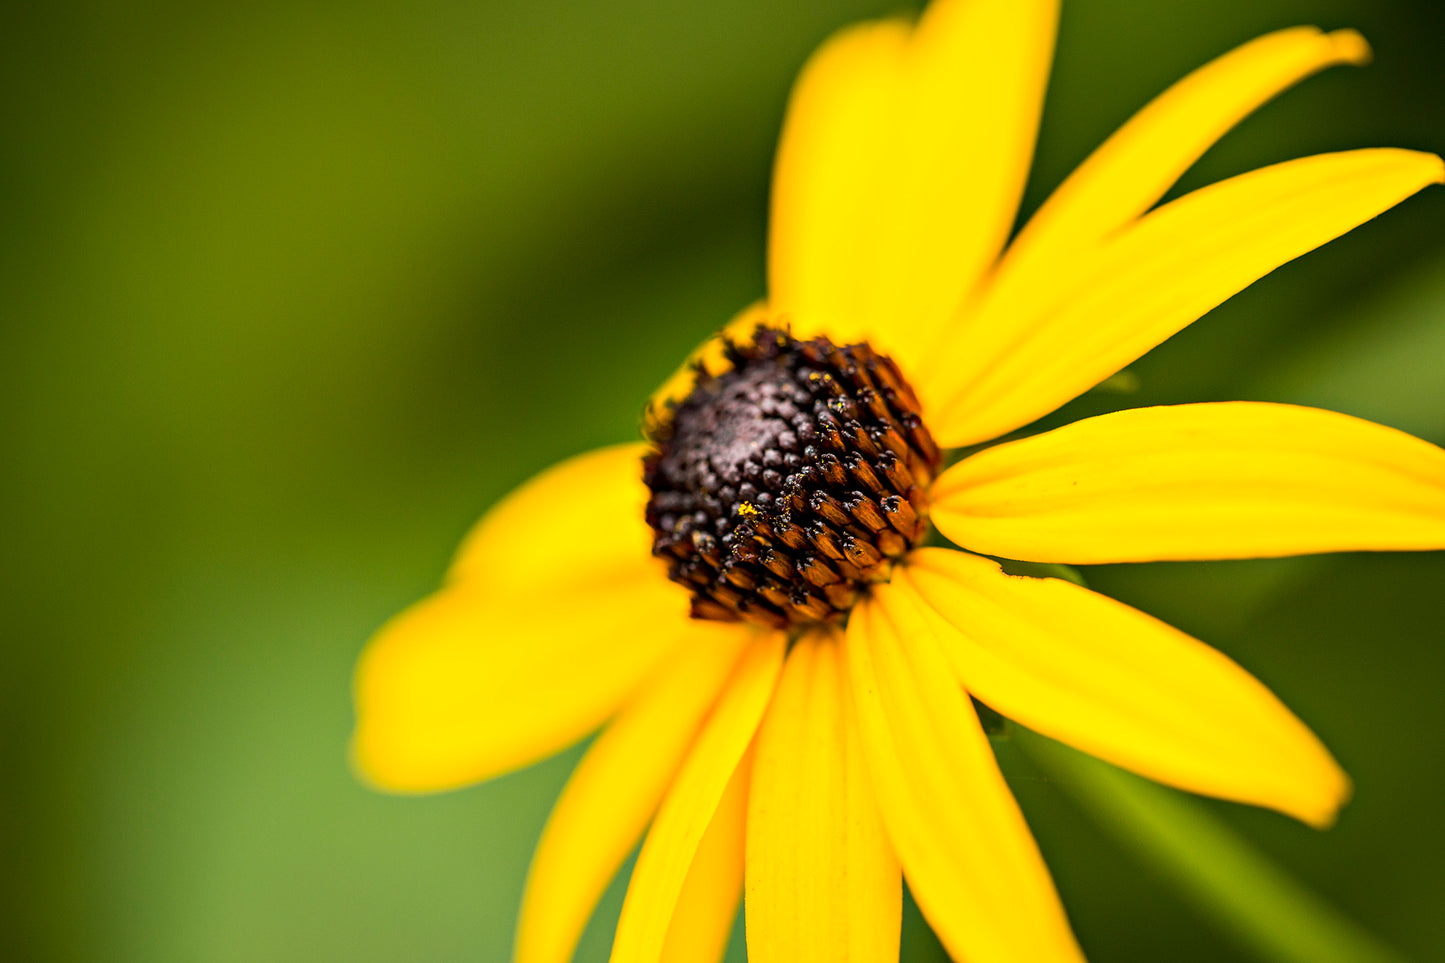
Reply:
x=291, y=292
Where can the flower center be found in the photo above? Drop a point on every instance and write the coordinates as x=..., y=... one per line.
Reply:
x=782, y=487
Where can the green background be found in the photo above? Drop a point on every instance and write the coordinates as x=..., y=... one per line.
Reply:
x=290, y=292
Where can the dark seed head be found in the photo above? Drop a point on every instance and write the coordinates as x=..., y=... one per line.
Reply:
x=784, y=485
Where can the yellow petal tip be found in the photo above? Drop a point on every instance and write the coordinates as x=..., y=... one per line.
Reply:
x=1431, y=167
x=1351, y=47
x=1322, y=813
x=1439, y=169
x=361, y=766
x=361, y=772
x=368, y=766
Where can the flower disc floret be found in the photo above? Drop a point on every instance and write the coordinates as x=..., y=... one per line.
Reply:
x=781, y=487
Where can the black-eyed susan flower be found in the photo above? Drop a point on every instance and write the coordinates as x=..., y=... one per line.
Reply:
x=741, y=601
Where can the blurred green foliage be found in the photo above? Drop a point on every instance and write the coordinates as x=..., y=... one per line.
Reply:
x=290, y=292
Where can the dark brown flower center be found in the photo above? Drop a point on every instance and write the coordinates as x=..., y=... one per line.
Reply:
x=785, y=485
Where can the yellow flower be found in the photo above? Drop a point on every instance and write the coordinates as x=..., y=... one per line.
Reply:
x=808, y=735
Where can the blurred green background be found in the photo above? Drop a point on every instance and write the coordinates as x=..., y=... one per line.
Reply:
x=290, y=292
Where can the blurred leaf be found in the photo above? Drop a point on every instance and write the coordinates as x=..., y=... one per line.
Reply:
x=1217, y=870
x=1384, y=361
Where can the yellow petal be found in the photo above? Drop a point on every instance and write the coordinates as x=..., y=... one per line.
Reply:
x=1131, y=170
x=703, y=919
x=824, y=216
x=580, y=519
x=554, y=610
x=1014, y=362
x=615, y=790
x=900, y=169
x=823, y=885
x=1112, y=681
x=1231, y=480
x=973, y=86
x=969, y=857
x=468, y=684
x=667, y=854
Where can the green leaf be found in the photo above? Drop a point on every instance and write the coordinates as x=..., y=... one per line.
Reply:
x=1218, y=871
x=1382, y=360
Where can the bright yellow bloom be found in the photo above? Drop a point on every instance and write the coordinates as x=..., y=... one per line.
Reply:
x=814, y=759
